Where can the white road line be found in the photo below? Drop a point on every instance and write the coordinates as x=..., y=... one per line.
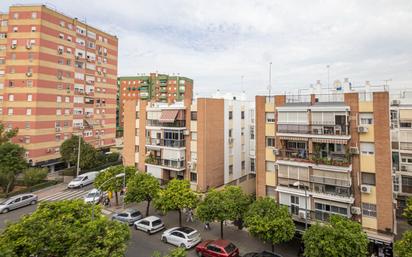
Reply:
x=65, y=195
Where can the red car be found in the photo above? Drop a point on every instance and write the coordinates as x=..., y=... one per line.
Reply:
x=217, y=248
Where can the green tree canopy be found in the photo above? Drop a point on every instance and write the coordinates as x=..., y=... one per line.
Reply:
x=107, y=181
x=403, y=247
x=269, y=222
x=63, y=229
x=89, y=156
x=177, y=252
x=12, y=162
x=407, y=212
x=238, y=203
x=33, y=176
x=175, y=197
x=142, y=187
x=341, y=237
x=6, y=135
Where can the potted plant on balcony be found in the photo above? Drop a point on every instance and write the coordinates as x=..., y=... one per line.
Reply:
x=150, y=159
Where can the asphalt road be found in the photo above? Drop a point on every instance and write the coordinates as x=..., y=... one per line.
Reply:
x=15, y=215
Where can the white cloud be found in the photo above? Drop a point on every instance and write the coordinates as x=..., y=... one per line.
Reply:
x=215, y=42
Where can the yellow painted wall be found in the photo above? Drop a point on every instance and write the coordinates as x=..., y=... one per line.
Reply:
x=405, y=114
x=369, y=222
x=365, y=106
x=269, y=107
x=271, y=178
x=270, y=129
x=269, y=154
x=369, y=136
x=369, y=198
x=367, y=163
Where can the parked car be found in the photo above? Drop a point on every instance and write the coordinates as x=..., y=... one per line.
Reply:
x=217, y=248
x=262, y=254
x=17, y=202
x=83, y=180
x=151, y=224
x=181, y=236
x=94, y=196
x=129, y=216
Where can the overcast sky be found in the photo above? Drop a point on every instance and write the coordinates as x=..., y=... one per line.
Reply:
x=216, y=42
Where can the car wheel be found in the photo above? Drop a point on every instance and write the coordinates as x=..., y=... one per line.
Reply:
x=164, y=239
x=81, y=186
x=148, y=231
x=199, y=254
x=182, y=245
x=33, y=202
x=5, y=210
x=135, y=227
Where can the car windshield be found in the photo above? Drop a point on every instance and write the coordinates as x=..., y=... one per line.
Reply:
x=230, y=248
x=156, y=222
x=92, y=195
x=194, y=235
x=135, y=214
x=78, y=179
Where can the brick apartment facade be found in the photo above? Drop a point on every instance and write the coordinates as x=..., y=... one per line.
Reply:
x=328, y=154
x=58, y=77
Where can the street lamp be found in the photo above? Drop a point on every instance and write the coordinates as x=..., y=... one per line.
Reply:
x=120, y=175
x=298, y=184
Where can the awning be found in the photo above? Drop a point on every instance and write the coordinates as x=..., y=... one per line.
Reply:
x=330, y=141
x=293, y=138
x=168, y=116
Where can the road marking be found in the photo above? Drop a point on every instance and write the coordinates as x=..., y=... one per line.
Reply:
x=66, y=195
x=106, y=212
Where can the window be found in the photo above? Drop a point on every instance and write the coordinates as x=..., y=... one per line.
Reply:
x=252, y=164
x=58, y=137
x=27, y=124
x=243, y=165
x=230, y=132
x=10, y=111
x=15, y=29
x=369, y=209
x=270, y=142
x=230, y=115
x=58, y=111
x=395, y=183
x=193, y=177
x=67, y=99
x=34, y=15
x=368, y=178
x=29, y=83
x=366, y=118
x=405, y=124
x=193, y=115
x=406, y=184
x=270, y=191
x=59, y=99
x=33, y=29
x=367, y=148
x=270, y=117
x=28, y=111
x=194, y=136
x=15, y=15
x=231, y=169
x=242, y=115
x=11, y=98
x=2, y=61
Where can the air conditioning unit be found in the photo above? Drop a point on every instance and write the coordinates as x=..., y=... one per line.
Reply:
x=354, y=150
x=403, y=168
x=362, y=129
x=366, y=189
x=13, y=46
x=355, y=210
x=28, y=46
x=29, y=74
x=276, y=151
x=186, y=132
x=395, y=102
x=231, y=139
x=302, y=214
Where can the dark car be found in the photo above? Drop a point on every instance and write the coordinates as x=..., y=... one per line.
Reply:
x=217, y=248
x=262, y=254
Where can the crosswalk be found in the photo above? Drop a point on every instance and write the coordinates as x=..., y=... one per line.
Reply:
x=68, y=194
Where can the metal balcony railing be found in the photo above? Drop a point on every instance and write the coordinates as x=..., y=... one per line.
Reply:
x=314, y=129
x=166, y=163
x=166, y=142
x=330, y=181
x=176, y=124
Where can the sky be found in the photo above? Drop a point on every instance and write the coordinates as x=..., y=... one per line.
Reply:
x=228, y=45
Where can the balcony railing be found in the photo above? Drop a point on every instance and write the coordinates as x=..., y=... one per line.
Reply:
x=176, y=124
x=165, y=142
x=332, y=190
x=312, y=215
x=330, y=181
x=314, y=129
x=302, y=155
x=406, y=167
x=166, y=163
x=406, y=146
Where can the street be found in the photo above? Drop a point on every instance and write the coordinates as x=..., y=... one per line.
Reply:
x=143, y=245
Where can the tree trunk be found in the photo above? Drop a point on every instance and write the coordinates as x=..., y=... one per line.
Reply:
x=147, y=208
x=117, y=198
x=180, y=217
x=221, y=229
x=273, y=248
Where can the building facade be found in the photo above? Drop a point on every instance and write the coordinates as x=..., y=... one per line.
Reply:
x=57, y=78
x=323, y=154
x=401, y=136
x=206, y=141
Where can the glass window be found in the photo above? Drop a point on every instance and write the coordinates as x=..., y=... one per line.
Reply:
x=270, y=142
x=368, y=178
x=230, y=115
x=242, y=115
x=193, y=115
x=193, y=177
x=369, y=209
x=367, y=148
x=231, y=169
x=366, y=118
x=270, y=117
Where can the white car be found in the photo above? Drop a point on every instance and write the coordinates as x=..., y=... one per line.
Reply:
x=83, y=180
x=94, y=196
x=182, y=237
x=151, y=224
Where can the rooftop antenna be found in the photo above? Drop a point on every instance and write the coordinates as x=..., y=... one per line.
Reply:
x=386, y=83
x=270, y=78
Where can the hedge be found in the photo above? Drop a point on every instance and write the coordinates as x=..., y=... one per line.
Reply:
x=39, y=186
x=72, y=170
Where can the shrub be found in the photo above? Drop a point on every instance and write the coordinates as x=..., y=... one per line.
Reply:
x=112, y=157
x=33, y=176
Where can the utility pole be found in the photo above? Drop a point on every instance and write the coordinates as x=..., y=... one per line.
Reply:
x=270, y=78
x=78, y=156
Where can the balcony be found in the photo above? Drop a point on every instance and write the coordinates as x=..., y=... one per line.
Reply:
x=330, y=181
x=314, y=129
x=333, y=191
x=165, y=142
x=175, y=124
x=323, y=158
x=406, y=167
x=169, y=164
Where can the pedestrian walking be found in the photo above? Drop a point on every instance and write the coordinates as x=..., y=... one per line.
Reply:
x=207, y=225
x=189, y=216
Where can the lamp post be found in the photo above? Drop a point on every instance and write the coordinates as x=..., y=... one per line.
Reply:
x=78, y=156
x=298, y=184
x=120, y=175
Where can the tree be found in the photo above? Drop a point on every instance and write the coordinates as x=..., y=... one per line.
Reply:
x=403, y=247
x=175, y=197
x=33, y=176
x=407, y=212
x=63, y=229
x=89, y=156
x=6, y=135
x=177, y=252
x=12, y=162
x=142, y=187
x=341, y=237
x=238, y=203
x=107, y=181
x=270, y=222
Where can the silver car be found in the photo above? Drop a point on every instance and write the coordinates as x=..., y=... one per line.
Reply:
x=17, y=202
x=129, y=216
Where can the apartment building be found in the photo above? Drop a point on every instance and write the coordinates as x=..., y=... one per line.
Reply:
x=401, y=137
x=206, y=141
x=157, y=87
x=57, y=78
x=322, y=154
